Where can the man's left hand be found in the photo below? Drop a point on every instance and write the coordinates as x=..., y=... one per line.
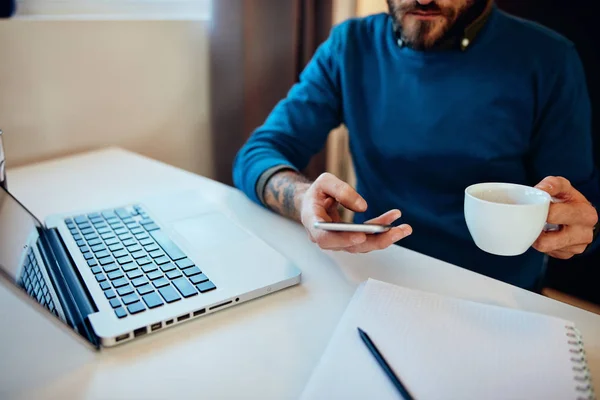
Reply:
x=574, y=213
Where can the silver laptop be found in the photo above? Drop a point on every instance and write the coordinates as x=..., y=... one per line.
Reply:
x=120, y=273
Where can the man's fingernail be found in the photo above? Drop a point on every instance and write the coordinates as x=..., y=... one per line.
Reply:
x=357, y=239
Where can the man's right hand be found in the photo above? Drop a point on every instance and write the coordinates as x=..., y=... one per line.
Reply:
x=319, y=203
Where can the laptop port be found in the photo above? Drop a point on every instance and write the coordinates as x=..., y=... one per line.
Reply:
x=140, y=332
x=169, y=322
x=199, y=312
x=221, y=305
x=183, y=317
x=122, y=337
x=155, y=326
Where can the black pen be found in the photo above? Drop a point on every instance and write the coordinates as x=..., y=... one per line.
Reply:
x=384, y=365
x=2, y=164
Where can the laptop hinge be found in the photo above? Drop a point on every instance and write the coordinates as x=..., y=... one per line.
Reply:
x=71, y=291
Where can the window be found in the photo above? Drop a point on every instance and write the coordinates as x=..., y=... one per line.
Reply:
x=115, y=9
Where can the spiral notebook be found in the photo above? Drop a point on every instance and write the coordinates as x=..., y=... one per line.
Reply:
x=446, y=348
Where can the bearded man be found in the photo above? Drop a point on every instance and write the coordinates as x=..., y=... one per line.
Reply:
x=436, y=95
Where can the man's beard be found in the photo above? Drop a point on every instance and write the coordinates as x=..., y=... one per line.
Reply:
x=422, y=35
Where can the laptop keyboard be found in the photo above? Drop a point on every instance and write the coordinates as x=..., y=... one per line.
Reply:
x=34, y=283
x=135, y=263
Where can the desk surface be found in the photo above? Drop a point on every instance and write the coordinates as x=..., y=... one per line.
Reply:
x=266, y=348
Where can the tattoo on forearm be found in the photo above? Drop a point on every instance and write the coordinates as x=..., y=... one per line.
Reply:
x=281, y=193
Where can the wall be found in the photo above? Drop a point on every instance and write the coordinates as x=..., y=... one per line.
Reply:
x=368, y=7
x=71, y=86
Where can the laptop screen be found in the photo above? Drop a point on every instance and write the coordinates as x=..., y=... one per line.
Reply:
x=18, y=234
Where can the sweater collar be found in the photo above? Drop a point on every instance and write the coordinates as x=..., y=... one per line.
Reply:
x=460, y=39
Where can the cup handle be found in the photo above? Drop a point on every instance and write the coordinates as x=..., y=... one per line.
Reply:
x=553, y=227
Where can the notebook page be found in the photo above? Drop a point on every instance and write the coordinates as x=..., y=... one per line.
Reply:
x=444, y=348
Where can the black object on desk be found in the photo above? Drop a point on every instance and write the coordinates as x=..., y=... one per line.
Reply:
x=384, y=365
x=2, y=165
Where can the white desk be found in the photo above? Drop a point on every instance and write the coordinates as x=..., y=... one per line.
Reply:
x=266, y=348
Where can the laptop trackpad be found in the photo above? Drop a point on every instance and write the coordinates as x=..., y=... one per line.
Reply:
x=208, y=231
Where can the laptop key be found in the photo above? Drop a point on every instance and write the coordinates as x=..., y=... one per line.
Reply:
x=196, y=279
x=149, y=268
x=122, y=213
x=151, y=247
x=104, y=230
x=146, y=221
x=85, y=225
x=94, y=215
x=102, y=254
x=108, y=235
x=115, y=247
x=169, y=294
x=111, y=241
x=115, y=275
x=77, y=236
x=138, y=254
x=136, y=273
x=128, y=219
x=113, y=220
x=146, y=242
x=174, y=274
x=167, y=267
x=155, y=275
x=125, y=290
x=124, y=260
x=139, y=281
x=80, y=243
x=115, y=303
x=92, y=262
x=136, y=308
x=106, y=260
x=185, y=263
x=156, y=254
x=94, y=242
x=87, y=231
x=109, y=214
x=119, y=282
x=120, y=312
x=98, y=247
x=191, y=271
x=134, y=247
x=110, y=267
x=129, y=242
x=68, y=221
x=105, y=285
x=90, y=236
x=141, y=236
x=162, y=260
x=131, y=225
x=110, y=294
x=206, y=287
x=151, y=227
x=120, y=231
x=120, y=253
x=160, y=282
x=130, y=298
x=88, y=255
x=84, y=249
x=80, y=219
x=165, y=242
x=96, y=270
x=129, y=267
x=126, y=236
x=100, y=277
x=142, y=290
x=152, y=300
x=144, y=260
x=184, y=287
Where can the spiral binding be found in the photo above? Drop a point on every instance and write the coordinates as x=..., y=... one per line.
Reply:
x=582, y=377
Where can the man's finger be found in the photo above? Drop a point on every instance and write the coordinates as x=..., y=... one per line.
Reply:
x=337, y=240
x=559, y=187
x=563, y=255
x=382, y=240
x=341, y=191
x=385, y=219
x=572, y=214
x=569, y=236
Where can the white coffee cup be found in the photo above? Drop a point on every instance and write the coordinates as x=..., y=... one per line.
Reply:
x=505, y=219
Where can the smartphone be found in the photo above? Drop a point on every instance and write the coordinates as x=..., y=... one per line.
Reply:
x=348, y=227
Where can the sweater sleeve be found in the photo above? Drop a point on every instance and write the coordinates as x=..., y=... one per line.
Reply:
x=562, y=141
x=298, y=126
